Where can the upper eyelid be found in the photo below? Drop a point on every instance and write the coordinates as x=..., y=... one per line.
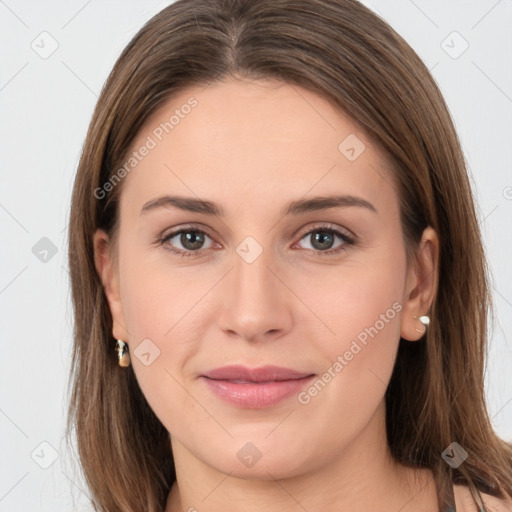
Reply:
x=171, y=233
x=326, y=225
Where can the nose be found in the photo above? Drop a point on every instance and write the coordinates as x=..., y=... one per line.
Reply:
x=256, y=303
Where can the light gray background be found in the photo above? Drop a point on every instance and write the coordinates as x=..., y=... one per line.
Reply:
x=46, y=105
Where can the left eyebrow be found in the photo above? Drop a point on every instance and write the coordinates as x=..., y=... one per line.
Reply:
x=294, y=208
x=324, y=202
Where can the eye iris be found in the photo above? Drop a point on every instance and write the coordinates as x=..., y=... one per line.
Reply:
x=321, y=237
x=194, y=237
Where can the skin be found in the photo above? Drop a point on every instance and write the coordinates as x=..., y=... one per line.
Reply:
x=252, y=147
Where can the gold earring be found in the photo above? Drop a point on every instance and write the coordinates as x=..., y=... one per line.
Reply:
x=122, y=353
x=425, y=320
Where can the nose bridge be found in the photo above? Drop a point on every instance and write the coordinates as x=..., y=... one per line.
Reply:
x=251, y=274
x=255, y=302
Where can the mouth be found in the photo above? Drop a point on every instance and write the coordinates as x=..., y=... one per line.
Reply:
x=255, y=388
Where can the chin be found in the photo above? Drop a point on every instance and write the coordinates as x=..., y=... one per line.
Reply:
x=260, y=459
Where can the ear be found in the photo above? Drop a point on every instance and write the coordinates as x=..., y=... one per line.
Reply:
x=421, y=286
x=108, y=272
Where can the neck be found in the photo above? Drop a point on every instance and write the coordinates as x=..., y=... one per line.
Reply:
x=361, y=477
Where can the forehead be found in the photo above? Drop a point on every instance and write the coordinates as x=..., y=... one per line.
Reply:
x=242, y=142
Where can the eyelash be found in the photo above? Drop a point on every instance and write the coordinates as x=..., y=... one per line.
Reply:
x=348, y=240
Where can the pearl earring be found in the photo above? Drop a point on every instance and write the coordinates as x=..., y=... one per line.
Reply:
x=122, y=353
x=425, y=320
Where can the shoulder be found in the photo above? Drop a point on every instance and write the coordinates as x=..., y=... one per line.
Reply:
x=465, y=503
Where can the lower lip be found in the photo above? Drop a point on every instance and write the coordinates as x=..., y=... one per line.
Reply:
x=256, y=395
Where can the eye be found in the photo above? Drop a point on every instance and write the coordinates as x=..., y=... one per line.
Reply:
x=323, y=238
x=190, y=239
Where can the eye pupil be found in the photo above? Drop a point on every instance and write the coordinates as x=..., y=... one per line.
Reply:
x=194, y=237
x=321, y=237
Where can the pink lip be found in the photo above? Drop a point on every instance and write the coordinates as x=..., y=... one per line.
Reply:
x=257, y=387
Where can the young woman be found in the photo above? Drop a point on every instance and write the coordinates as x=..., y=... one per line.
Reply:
x=280, y=290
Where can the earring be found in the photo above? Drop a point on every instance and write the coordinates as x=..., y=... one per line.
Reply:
x=122, y=353
x=425, y=320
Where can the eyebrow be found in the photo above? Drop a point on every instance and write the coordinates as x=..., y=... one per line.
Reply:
x=191, y=204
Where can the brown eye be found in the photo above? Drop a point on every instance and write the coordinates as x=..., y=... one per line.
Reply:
x=323, y=238
x=185, y=242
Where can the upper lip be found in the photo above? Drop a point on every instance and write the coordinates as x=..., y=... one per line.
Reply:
x=261, y=374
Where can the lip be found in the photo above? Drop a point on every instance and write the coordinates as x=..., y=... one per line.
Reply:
x=255, y=388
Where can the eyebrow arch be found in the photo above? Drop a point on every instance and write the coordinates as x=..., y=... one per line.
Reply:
x=324, y=202
x=294, y=208
x=189, y=204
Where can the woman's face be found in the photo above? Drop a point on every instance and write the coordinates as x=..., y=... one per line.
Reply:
x=259, y=281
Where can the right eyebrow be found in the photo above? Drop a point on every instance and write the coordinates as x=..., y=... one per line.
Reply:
x=190, y=204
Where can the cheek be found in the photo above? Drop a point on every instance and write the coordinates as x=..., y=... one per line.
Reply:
x=167, y=310
x=159, y=300
x=361, y=299
x=361, y=303
x=161, y=310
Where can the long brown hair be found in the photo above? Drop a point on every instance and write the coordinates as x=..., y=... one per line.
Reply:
x=344, y=52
